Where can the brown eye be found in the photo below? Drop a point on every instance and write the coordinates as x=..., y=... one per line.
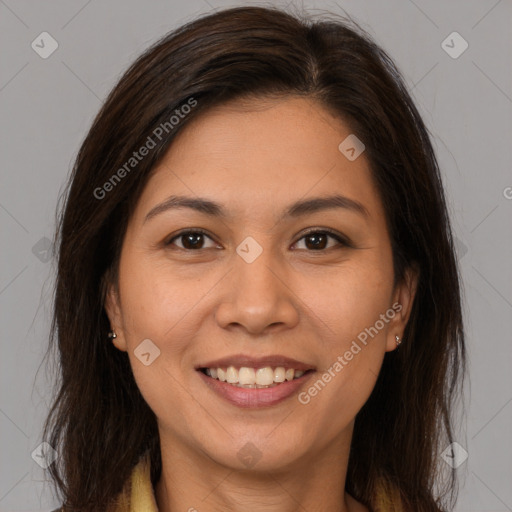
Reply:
x=190, y=240
x=319, y=240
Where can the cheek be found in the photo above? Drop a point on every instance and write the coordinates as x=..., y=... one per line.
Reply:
x=158, y=306
x=157, y=303
x=351, y=299
x=350, y=304
x=163, y=306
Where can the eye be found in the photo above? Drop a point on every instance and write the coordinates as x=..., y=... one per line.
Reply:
x=314, y=240
x=318, y=240
x=191, y=240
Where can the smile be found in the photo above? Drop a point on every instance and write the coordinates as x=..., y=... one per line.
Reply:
x=253, y=378
x=251, y=382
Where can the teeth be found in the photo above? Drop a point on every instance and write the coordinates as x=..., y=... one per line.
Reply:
x=279, y=374
x=247, y=376
x=264, y=376
x=254, y=378
x=231, y=375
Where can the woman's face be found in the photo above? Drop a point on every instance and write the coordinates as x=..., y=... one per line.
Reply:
x=263, y=287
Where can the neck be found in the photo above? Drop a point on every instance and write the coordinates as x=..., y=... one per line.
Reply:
x=191, y=481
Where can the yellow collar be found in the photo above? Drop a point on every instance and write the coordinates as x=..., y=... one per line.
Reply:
x=138, y=494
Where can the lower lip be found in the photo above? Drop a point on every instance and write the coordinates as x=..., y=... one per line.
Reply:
x=255, y=397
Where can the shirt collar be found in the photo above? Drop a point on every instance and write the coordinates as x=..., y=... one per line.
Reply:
x=138, y=494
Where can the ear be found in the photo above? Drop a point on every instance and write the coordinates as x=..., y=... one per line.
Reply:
x=403, y=299
x=114, y=313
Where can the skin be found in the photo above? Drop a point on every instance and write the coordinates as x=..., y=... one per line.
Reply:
x=255, y=158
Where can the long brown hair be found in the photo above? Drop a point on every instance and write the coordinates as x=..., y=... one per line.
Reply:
x=99, y=422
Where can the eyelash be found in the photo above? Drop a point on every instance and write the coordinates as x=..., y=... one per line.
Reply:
x=342, y=241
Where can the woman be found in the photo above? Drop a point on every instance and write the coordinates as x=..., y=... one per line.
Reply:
x=254, y=224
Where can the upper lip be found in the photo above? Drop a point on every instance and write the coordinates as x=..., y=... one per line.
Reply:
x=239, y=360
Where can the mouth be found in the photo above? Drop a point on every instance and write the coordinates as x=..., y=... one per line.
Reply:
x=254, y=378
x=255, y=382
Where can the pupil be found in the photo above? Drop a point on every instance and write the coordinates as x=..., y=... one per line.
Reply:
x=192, y=240
x=316, y=239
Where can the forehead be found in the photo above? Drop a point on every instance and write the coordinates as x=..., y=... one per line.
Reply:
x=261, y=153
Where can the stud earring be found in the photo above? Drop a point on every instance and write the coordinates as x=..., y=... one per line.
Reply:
x=398, y=340
x=112, y=334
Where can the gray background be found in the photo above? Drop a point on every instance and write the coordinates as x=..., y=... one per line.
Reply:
x=47, y=106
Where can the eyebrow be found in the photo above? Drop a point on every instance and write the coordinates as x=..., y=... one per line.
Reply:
x=297, y=209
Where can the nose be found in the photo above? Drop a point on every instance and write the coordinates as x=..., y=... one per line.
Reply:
x=258, y=297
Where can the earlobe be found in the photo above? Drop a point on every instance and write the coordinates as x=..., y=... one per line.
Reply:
x=113, y=310
x=402, y=305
